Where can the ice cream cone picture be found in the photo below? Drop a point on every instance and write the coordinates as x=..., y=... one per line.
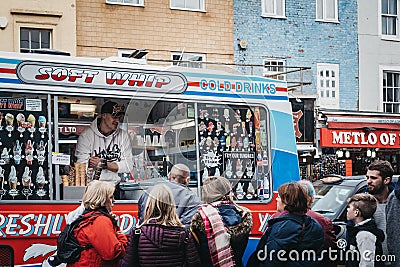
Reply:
x=32, y=121
x=238, y=116
x=9, y=123
x=21, y=124
x=41, y=182
x=1, y=121
x=250, y=191
x=257, y=118
x=42, y=125
x=5, y=157
x=226, y=114
x=233, y=143
x=228, y=171
x=239, y=167
x=202, y=127
x=40, y=150
x=248, y=115
x=13, y=182
x=239, y=191
x=210, y=128
x=249, y=168
x=26, y=177
x=29, y=152
x=26, y=182
x=17, y=152
x=215, y=114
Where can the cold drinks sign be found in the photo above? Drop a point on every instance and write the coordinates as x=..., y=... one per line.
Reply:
x=359, y=138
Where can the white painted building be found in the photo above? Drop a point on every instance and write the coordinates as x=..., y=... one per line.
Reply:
x=379, y=55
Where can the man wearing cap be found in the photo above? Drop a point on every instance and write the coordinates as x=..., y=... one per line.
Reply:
x=105, y=145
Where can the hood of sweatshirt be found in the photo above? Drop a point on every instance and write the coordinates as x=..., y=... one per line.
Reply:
x=95, y=129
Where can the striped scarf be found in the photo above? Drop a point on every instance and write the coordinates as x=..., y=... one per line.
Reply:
x=218, y=239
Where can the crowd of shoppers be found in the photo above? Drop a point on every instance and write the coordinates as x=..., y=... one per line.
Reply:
x=177, y=229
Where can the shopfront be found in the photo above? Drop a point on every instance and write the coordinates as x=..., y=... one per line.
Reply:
x=355, y=139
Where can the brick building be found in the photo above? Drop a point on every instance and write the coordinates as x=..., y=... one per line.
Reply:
x=165, y=28
x=298, y=33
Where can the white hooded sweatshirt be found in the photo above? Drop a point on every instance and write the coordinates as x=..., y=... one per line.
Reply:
x=114, y=148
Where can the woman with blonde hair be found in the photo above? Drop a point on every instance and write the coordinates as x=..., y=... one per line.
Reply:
x=161, y=239
x=221, y=226
x=104, y=244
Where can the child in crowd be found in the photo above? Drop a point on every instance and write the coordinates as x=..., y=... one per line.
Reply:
x=364, y=236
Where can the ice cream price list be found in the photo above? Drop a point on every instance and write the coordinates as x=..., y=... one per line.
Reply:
x=23, y=146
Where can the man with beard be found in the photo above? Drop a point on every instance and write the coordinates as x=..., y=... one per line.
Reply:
x=379, y=182
x=105, y=146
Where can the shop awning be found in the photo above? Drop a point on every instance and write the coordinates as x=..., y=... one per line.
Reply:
x=363, y=122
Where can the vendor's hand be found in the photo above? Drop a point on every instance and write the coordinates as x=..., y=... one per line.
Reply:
x=94, y=161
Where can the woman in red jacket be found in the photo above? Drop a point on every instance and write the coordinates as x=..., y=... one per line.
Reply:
x=99, y=232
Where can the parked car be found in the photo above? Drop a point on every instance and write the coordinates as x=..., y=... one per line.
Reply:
x=331, y=194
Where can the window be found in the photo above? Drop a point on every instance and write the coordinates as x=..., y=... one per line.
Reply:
x=126, y=2
x=327, y=10
x=274, y=68
x=391, y=99
x=183, y=58
x=389, y=17
x=273, y=8
x=188, y=4
x=34, y=39
x=328, y=81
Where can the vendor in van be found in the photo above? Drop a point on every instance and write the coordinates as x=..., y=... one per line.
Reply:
x=104, y=146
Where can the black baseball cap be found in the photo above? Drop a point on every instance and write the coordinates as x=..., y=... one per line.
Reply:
x=113, y=108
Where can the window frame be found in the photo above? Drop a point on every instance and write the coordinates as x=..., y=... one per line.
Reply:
x=328, y=96
x=202, y=5
x=393, y=37
x=384, y=100
x=187, y=57
x=280, y=68
x=324, y=11
x=273, y=14
x=121, y=2
x=30, y=29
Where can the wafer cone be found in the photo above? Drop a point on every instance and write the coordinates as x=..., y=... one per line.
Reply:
x=71, y=176
x=64, y=179
x=83, y=173
x=77, y=174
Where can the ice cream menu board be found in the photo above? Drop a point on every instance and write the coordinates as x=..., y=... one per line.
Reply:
x=23, y=146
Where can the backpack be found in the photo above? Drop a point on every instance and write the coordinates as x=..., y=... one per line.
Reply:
x=68, y=248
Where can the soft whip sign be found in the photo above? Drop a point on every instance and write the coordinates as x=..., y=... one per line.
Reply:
x=72, y=75
x=359, y=138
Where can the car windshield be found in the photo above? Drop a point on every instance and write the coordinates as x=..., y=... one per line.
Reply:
x=329, y=199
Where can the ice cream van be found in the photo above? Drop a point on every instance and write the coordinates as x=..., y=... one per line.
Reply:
x=217, y=122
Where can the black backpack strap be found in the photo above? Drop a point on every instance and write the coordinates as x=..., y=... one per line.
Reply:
x=136, y=236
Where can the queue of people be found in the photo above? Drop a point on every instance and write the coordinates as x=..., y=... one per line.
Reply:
x=177, y=229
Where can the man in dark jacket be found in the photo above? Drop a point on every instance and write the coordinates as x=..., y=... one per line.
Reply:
x=186, y=200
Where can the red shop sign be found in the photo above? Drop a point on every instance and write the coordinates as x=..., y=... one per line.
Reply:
x=359, y=138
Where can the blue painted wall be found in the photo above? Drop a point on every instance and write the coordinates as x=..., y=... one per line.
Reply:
x=302, y=41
